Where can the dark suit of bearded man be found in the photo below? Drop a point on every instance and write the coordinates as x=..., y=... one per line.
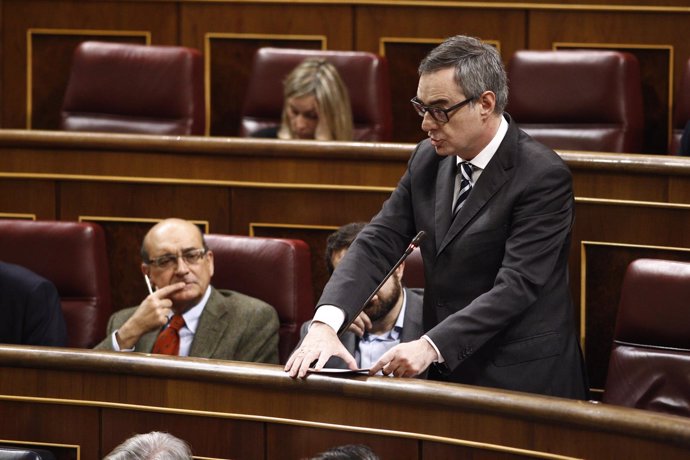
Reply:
x=496, y=301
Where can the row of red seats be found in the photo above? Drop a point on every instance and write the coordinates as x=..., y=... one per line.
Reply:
x=649, y=363
x=73, y=256
x=589, y=100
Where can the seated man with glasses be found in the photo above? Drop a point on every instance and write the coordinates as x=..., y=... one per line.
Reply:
x=183, y=314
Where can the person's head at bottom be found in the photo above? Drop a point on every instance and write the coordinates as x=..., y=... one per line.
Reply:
x=155, y=445
x=347, y=452
x=317, y=104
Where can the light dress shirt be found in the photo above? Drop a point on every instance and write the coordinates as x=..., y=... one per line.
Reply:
x=371, y=346
x=191, y=321
x=335, y=317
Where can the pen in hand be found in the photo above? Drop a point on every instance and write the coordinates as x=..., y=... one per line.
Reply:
x=148, y=284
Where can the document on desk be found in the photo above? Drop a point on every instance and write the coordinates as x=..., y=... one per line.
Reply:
x=338, y=372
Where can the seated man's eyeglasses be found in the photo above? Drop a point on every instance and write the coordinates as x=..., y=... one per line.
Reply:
x=166, y=261
x=437, y=113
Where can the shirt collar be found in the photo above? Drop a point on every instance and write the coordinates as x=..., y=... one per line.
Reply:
x=191, y=316
x=401, y=316
x=483, y=158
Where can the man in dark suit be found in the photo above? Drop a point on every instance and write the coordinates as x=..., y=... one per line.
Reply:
x=218, y=324
x=497, y=307
x=393, y=316
x=31, y=311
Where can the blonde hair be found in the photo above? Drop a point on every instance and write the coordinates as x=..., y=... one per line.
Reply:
x=318, y=77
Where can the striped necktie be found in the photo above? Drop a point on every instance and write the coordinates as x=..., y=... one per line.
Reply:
x=465, y=172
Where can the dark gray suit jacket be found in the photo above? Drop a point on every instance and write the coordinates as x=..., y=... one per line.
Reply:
x=232, y=326
x=496, y=298
x=412, y=327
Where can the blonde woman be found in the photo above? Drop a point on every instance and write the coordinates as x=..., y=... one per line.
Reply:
x=317, y=105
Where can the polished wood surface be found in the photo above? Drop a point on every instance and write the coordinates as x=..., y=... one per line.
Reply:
x=241, y=410
x=627, y=206
x=39, y=37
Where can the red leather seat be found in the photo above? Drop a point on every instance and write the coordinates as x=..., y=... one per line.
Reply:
x=681, y=111
x=578, y=99
x=649, y=367
x=73, y=256
x=364, y=74
x=125, y=88
x=275, y=270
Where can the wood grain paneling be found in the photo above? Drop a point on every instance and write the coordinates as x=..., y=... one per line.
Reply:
x=70, y=432
x=32, y=197
x=208, y=437
x=205, y=399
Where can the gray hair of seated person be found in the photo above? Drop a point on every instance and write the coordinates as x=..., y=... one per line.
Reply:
x=155, y=445
x=320, y=78
x=347, y=452
x=478, y=67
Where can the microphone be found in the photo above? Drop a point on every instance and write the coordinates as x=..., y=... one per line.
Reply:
x=413, y=244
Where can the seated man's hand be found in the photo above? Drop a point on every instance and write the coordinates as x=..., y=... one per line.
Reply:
x=320, y=343
x=360, y=325
x=151, y=314
x=406, y=359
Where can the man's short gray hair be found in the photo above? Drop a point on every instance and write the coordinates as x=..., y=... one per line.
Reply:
x=478, y=67
x=155, y=445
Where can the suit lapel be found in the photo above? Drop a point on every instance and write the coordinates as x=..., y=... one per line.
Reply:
x=412, y=323
x=444, y=196
x=492, y=179
x=210, y=329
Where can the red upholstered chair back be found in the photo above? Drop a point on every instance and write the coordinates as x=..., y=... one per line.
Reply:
x=364, y=74
x=578, y=99
x=413, y=276
x=125, y=88
x=649, y=367
x=275, y=270
x=73, y=256
x=681, y=111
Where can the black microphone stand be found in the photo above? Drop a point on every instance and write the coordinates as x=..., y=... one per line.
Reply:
x=413, y=244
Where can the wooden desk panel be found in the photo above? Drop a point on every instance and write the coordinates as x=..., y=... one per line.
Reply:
x=201, y=400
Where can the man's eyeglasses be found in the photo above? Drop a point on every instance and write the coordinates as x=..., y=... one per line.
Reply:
x=166, y=261
x=437, y=113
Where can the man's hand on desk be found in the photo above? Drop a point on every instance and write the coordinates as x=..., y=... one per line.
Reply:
x=320, y=343
x=406, y=359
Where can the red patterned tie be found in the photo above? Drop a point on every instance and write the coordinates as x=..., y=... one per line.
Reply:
x=168, y=341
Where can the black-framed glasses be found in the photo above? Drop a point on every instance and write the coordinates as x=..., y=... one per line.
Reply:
x=437, y=113
x=190, y=257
